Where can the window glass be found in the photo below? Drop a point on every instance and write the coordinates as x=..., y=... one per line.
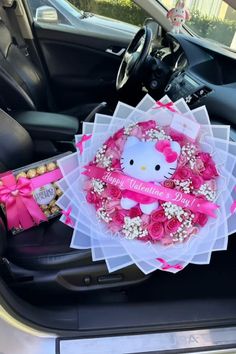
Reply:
x=212, y=19
x=123, y=10
x=69, y=11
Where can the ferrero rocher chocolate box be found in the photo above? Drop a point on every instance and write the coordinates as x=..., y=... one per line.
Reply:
x=28, y=210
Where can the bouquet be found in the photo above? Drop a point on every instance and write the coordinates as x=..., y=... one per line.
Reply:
x=152, y=185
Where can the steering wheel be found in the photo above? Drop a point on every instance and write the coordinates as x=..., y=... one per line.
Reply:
x=134, y=58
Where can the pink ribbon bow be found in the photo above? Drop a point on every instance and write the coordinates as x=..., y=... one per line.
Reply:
x=164, y=147
x=68, y=220
x=168, y=106
x=80, y=144
x=166, y=266
x=21, y=208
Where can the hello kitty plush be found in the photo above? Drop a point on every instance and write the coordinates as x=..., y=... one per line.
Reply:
x=178, y=16
x=149, y=161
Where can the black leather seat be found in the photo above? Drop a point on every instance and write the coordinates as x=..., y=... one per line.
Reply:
x=41, y=258
x=46, y=247
x=23, y=86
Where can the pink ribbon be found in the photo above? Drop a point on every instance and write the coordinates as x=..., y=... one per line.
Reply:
x=166, y=266
x=46, y=178
x=68, y=220
x=233, y=206
x=80, y=144
x=168, y=106
x=152, y=190
x=21, y=208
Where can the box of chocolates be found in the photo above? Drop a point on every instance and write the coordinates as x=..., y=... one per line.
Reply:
x=29, y=194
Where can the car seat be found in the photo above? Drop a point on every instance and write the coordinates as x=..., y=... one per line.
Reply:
x=41, y=258
x=23, y=87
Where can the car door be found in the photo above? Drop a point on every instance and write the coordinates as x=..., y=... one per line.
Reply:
x=81, y=52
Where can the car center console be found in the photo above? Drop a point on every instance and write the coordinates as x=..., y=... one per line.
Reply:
x=183, y=85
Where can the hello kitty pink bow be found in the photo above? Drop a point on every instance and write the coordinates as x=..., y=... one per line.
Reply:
x=164, y=147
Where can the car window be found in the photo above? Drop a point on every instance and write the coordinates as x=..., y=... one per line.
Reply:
x=67, y=12
x=211, y=19
x=122, y=10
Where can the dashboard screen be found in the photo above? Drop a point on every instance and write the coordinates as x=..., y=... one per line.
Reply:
x=191, y=81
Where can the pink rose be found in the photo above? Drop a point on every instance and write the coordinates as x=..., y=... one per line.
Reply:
x=118, y=218
x=145, y=220
x=137, y=131
x=116, y=164
x=120, y=143
x=145, y=238
x=204, y=156
x=199, y=166
x=119, y=134
x=112, y=205
x=158, y=216
x=169, y=183
x=87, y=185
x=180, y=138
x=192, y=232
x=113, y=151
x=172, y=225
x=212, y=184
x=183, y=173
x=201, y=219
x=166, y=240
x=196, y=182
x=113, y=192
x=209, y=173
x=156, y=231
x=110, y=143
x=182, y=161
x=134, y=212
x=150, y=124
x=91, y=197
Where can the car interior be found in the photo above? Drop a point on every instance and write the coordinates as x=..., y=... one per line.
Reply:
x=48, y=86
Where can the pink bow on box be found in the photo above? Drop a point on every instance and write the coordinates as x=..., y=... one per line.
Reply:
x=21, y=208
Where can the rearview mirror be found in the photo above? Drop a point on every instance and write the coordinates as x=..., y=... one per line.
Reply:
x=46, y=14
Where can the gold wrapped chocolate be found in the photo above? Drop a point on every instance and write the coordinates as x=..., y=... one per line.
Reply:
x=55, y=209
x=52, y=203
x=51, y=166
x=31, y=173
x=47, y=213
x=41, y=170
x=21, y=175
x=43, y=207
x=59, y=192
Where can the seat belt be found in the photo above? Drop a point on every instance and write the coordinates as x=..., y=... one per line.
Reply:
x=15, y=28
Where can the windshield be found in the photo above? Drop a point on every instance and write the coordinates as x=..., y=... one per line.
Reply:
x=212, y=19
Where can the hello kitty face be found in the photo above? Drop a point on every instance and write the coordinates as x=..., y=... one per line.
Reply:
x=147, y=161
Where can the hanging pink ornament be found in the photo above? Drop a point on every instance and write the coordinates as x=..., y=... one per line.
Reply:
x=178, y=15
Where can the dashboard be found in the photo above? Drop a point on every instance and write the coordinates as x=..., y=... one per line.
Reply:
x=203, y=73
